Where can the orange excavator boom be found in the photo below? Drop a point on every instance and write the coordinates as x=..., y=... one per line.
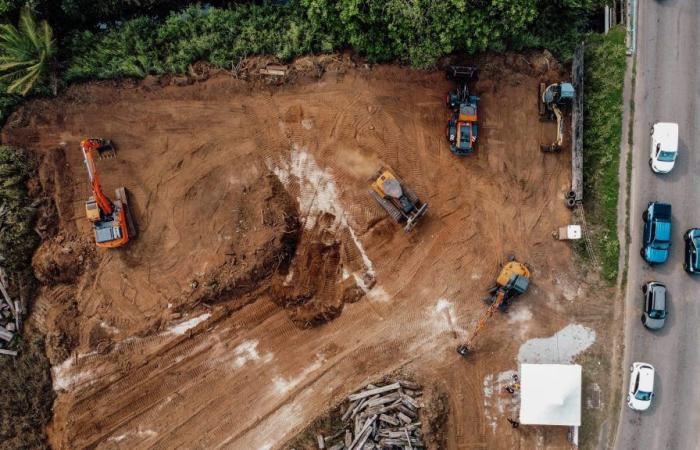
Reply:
x=89, y=146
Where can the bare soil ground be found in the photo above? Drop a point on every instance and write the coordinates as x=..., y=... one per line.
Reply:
x=265, y=285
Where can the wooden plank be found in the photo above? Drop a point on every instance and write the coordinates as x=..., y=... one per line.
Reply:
x=404, y=418
x=5, y=335
x=7, y=299
x=409, y=385
x=388, y=419
x=7, y=352
x=320, y=441
x=382, y=400
x=371, y=392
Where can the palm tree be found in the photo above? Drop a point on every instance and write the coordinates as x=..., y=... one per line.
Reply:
x=26, y=53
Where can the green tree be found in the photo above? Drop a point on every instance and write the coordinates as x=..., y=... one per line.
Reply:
x=26, y=53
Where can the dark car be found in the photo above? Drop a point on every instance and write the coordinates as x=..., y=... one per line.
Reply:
x=692, y=250
x=655, y=309
x=656, y=240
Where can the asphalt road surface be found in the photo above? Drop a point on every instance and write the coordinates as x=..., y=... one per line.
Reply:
x=668, y=90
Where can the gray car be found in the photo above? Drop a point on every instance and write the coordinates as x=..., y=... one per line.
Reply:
x=655, y=308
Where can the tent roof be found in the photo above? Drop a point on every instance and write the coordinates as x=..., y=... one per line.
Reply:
x=550, y=394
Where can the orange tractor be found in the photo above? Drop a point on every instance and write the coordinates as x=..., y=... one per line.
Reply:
x=111, y=220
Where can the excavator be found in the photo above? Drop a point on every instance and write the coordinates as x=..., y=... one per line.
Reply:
x=111, y=220
x=401, y=203
x=551, y=101
x=513, y=280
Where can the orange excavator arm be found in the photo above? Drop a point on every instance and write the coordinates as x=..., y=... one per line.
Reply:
x=500, y=296
x=89, y=147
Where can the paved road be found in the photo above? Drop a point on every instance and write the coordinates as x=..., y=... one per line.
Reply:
x=667, y=89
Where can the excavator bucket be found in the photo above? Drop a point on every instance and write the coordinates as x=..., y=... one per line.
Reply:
x=106, y=149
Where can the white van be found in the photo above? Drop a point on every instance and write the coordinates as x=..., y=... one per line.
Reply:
x=664, y=146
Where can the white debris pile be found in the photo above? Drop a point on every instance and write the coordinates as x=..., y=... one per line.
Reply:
x=10, y=318
x=381, y=416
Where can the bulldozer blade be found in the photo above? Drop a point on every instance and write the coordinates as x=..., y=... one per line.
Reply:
x=553, y=148
x=413, y=221
x=540, y=104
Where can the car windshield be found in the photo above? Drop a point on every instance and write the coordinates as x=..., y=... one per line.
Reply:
x=665, y=156
x=657, y=314
x=644, y=396
x=661, y=245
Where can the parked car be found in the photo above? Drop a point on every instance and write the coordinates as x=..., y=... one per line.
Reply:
x=664, y=147
x=656, y=241
x=655, y=309
x=641, y=386
x=692, y=250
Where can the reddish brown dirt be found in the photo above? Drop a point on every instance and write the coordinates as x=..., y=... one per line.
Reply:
x=256, y=228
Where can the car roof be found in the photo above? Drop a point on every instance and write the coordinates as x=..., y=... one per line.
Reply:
x=666, y=133
x=646, y=378
x=659, y=297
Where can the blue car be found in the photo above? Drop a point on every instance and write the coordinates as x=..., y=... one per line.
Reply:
x=656, y=241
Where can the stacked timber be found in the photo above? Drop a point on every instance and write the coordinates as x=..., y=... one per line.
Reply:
x=10, y=318
x=383, y=416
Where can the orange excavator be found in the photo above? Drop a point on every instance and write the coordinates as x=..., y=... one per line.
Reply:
x=513, y=280
x=111, y=220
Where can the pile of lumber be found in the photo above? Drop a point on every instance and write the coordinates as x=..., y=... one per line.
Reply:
x=10, y=318
x=381, y=416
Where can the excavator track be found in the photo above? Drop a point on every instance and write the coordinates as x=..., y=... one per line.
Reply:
x=122, y=195
x=392, y=210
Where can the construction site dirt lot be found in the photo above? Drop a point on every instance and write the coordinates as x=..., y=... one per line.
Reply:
x=266, y=285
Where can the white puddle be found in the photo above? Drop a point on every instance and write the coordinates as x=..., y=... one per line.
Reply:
x=561, y=348
x=182, y=327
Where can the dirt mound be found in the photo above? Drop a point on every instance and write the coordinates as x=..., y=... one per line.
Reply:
x=61, y=260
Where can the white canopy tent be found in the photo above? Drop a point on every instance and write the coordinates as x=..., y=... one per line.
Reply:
x=550, y=394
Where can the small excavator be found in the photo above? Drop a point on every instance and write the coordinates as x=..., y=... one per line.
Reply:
x=111, y=220
x=401, y=203
x=551, y=101
x=513, y=280
x=462, y=130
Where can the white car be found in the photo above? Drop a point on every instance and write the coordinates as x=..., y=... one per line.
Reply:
x=641, y=386
x=664, y=146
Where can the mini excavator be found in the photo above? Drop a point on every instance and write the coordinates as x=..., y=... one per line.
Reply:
x=513, y=280
x=111, y=220
x=551, y=101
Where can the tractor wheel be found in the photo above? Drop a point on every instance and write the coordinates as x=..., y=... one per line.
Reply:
x=389, y=207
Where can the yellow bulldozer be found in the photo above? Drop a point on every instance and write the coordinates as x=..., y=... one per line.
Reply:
x=401, y=203
x=513, y=280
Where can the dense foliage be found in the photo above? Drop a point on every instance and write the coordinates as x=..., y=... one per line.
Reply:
x=26, y=53
x=26, y=397
x=25, y=392
x=416, y=32
x=605, y=72
x=17, y=236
